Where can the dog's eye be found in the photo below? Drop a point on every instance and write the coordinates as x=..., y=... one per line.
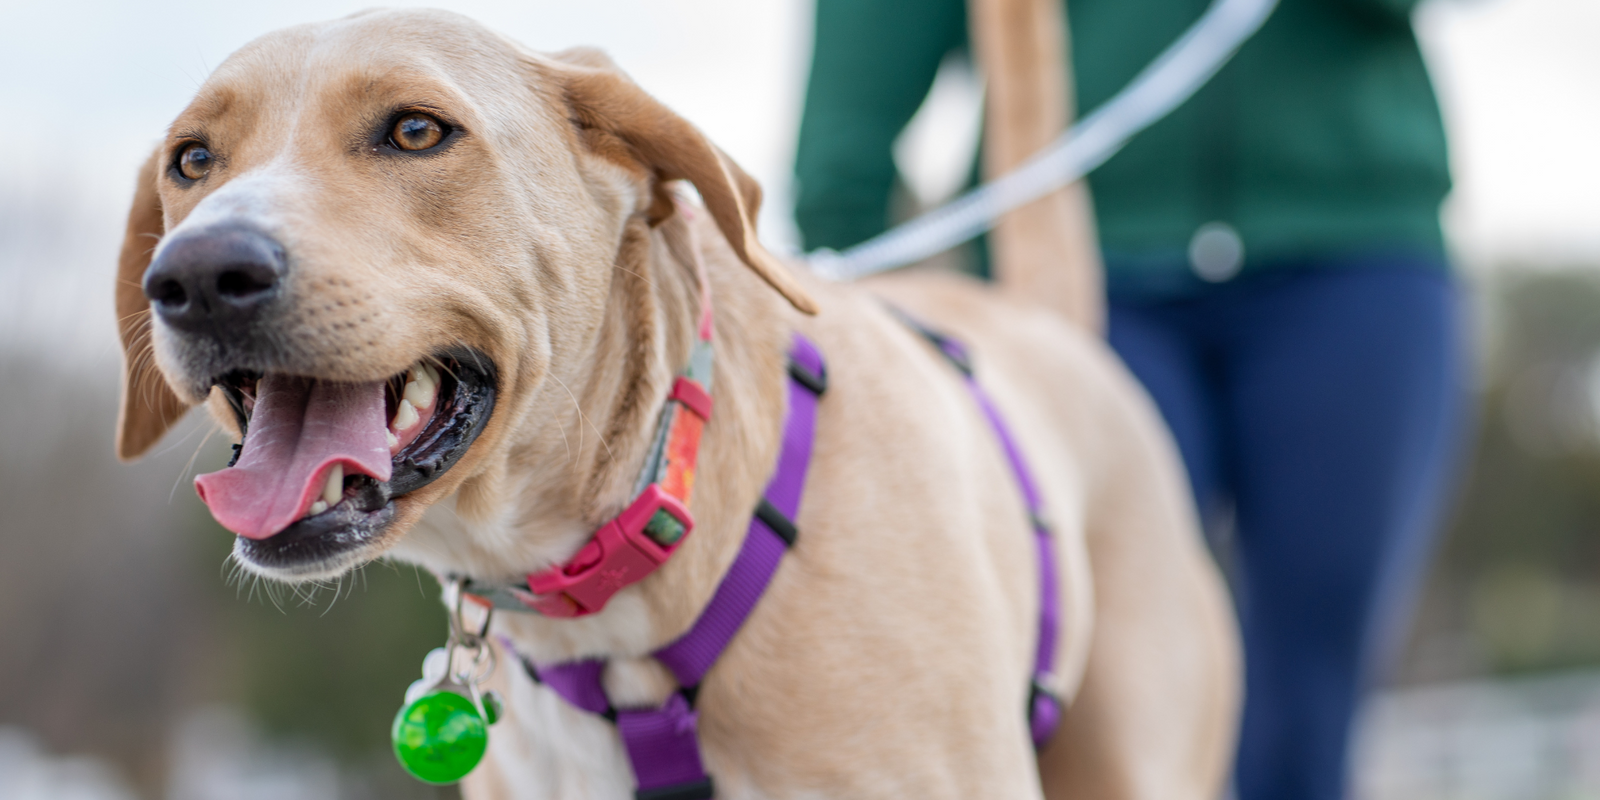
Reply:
x=416, y=131
x=195, y=161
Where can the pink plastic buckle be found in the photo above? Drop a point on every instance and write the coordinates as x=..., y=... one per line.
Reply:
x=692, y=395
x=619, y=555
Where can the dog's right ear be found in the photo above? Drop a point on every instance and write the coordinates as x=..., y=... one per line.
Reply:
x=149, y=407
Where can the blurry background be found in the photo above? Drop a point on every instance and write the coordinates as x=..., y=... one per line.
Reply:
x=134, y=665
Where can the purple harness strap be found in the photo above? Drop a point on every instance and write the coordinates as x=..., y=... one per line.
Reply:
x=1044, y=708
x=662, y=743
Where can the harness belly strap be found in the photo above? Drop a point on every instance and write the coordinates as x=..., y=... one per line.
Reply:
x=662, y=743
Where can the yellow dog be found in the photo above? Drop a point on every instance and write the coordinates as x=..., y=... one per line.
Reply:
x=413, y=264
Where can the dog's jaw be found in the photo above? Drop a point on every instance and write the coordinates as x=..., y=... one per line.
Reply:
x=357, y=516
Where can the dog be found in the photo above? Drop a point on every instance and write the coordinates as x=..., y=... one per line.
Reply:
x=402, y=207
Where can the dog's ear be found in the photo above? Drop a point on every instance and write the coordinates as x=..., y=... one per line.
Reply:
x=610, y=108
x=149, y=406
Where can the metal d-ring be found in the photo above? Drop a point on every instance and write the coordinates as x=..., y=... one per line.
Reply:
x=463, y=637
x=455, y=600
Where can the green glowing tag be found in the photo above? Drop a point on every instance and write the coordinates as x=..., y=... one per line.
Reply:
x=440, y=736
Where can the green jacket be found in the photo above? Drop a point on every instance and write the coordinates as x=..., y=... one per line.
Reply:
x=1322, y=136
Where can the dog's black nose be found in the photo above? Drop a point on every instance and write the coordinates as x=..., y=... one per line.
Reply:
x=215, y=279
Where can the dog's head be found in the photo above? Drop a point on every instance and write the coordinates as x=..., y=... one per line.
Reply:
x=366, y=243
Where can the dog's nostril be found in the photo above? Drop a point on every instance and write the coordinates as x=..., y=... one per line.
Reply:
x=205, y=281
x=171, y=294
x=237, y=284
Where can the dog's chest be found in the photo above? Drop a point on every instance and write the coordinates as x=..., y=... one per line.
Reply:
x=546, y=749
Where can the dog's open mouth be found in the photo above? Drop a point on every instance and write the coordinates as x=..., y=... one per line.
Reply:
x=321, y=463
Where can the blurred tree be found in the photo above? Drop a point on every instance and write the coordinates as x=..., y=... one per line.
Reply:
x=1516, y=587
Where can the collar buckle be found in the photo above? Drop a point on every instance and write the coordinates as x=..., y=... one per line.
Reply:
x=622, y=553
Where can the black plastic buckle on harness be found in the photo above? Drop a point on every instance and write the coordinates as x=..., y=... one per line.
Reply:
x=778, y=522
x=815, y=382
x=952, y=350
x=693, y=790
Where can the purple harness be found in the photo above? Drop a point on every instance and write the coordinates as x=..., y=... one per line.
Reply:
x=662, y=743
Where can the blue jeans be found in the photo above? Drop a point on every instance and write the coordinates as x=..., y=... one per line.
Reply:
x=1321, y=405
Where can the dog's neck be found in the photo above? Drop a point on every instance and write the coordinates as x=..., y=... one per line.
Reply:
x=589, y=430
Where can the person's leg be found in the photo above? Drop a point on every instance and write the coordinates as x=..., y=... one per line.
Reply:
x=1346, y=392
x=1167, y=359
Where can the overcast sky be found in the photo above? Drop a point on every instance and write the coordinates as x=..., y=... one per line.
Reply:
x=90, y=85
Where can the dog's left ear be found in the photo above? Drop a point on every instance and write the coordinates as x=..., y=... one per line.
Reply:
x=149, y=406
x=608, y=105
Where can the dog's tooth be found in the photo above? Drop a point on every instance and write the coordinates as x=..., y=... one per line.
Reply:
x=394, y=441
x=420, y=394
x=316, y=508
x=333, y=490
x=432, y=373
x=424, y=379
x=405, y=416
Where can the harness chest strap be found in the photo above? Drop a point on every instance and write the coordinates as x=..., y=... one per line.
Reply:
x=662, y=743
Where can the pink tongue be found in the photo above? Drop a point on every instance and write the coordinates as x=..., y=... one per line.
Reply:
x=300, y=428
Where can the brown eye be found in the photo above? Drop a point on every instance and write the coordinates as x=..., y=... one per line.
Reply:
x=195, y=161
x=416, y=132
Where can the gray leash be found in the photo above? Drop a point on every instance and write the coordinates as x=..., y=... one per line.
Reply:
x=1164, y=85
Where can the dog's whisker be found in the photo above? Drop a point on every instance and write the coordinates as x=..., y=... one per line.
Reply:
x=141, y=352
x=230, y=570
x=647, y=281
x=203, y=64
x=188, y=468
x=305, y=594
x=584, y=419
x=143, y=312
x=576, y=407
x=338, y=588
x=562, y=428
x=175, y=445
x=275, y=592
